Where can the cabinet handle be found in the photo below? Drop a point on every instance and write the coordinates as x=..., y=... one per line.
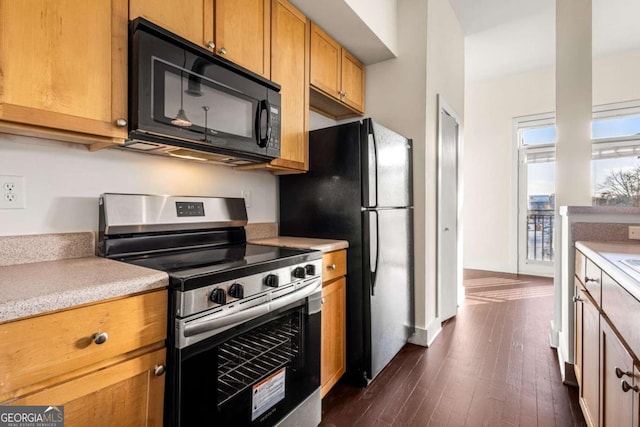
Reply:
x=100, y=337
x=222, y=51
x=323, y=300
x=331, y=267
x=121, y=122
x=577, y=298
x=626, y=387
x=587, y=280
x=620, y=373
x=159, y=370
x=211, y=45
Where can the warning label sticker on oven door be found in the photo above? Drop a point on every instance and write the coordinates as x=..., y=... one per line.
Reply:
x=267, y=393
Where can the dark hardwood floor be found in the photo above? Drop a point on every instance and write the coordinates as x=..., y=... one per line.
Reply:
x=490, y=366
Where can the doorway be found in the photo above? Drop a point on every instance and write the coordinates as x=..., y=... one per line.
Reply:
x=449, y=229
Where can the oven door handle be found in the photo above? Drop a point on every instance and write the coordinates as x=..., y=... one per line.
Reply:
x=207, y=324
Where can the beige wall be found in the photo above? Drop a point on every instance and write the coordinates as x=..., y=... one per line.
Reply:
x=490, y=184
x=63, y=182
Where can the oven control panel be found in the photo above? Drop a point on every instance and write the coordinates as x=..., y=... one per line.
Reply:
x=262, y=286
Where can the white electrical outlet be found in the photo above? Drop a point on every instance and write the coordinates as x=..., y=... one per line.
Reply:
x=634, y=232
x=246, y=195
x=12, y=194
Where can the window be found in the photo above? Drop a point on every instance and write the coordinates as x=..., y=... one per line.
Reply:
x=615, y=143
x=616, y=148
x=536, y=187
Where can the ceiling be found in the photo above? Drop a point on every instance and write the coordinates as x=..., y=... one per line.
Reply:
x=507, y=37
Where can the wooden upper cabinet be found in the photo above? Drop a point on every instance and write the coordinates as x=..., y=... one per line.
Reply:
x=242, y=29
x=64, y=69
x=325, y=62
x=191, y=19
x=337, y=78
x=290, y=69
x=352, y=81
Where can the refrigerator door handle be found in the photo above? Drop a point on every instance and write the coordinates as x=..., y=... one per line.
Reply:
x=372, y=169
x=374, y=250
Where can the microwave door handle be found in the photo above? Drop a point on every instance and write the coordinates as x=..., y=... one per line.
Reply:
x=265, y=107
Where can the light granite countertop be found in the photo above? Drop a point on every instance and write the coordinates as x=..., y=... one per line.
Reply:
x=609, y=256
x=41, y=287
x=324, y=245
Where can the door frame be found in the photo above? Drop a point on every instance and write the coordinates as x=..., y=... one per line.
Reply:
x=443, y=106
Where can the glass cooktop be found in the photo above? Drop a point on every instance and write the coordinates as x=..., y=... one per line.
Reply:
x=221, y=263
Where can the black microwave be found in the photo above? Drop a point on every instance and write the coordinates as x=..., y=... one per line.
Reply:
x=186, y=102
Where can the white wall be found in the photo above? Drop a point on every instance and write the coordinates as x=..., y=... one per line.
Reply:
x=63, y=182
x=490, y=180
x=401, y=94
x=381, y=16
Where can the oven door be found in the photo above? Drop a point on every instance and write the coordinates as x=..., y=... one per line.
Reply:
x=254, y=374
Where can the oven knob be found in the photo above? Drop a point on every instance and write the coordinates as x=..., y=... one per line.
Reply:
x=310, y=269
x=236, y=290
x=299, y=272
x=271, y=280
x=218, y=296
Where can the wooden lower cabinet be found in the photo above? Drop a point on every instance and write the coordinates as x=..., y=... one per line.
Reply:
x=606, y=349
x=616, y=368
x=104, y=362
x=589, y=390
x=130, y=393
x=333, y=348
x=333, y=356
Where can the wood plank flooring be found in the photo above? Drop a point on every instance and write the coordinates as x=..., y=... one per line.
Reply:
x=490, y=366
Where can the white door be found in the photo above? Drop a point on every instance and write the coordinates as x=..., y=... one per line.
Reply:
x=449, y=264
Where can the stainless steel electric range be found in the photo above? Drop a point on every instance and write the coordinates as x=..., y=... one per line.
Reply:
x=244, y=327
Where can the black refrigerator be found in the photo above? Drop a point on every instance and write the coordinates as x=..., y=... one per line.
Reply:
x=359, y=189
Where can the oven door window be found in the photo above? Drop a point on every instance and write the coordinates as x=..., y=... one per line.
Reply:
x=255, y=376
x=195, y=104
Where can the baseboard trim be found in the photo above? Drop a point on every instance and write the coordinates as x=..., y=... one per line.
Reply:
x=426, y=337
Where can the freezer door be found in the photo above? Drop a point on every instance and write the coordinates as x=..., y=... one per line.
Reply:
x=388, y=275
x=386, y=163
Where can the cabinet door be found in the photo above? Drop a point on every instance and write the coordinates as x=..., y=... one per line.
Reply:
x=242, y=29
x=325, y=62
x=589, y=391
x=617, y=366
x=127, y=394
x=290, y=69
x=333, y=351
x=191, y=19
x=352, y=81
x=578, y=322
x=64, y=65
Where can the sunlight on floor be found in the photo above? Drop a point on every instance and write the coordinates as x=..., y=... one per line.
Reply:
x=498, y=289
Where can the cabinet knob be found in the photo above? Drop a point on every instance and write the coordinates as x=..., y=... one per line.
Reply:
x=620, y=373
x=344, y=94
x=222, y=51
x=577, y=298
x=100, y=337
x=331, y=267
x=211, y=45
x=323, y=300
x=159, y=370
x=588, y=279
x=626, y=387
x=121, y=122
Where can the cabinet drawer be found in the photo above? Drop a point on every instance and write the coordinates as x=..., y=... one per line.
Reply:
x=334, y=264
x=623, y=310
x=593, y=281
x=580, y=266
x=47, y=346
